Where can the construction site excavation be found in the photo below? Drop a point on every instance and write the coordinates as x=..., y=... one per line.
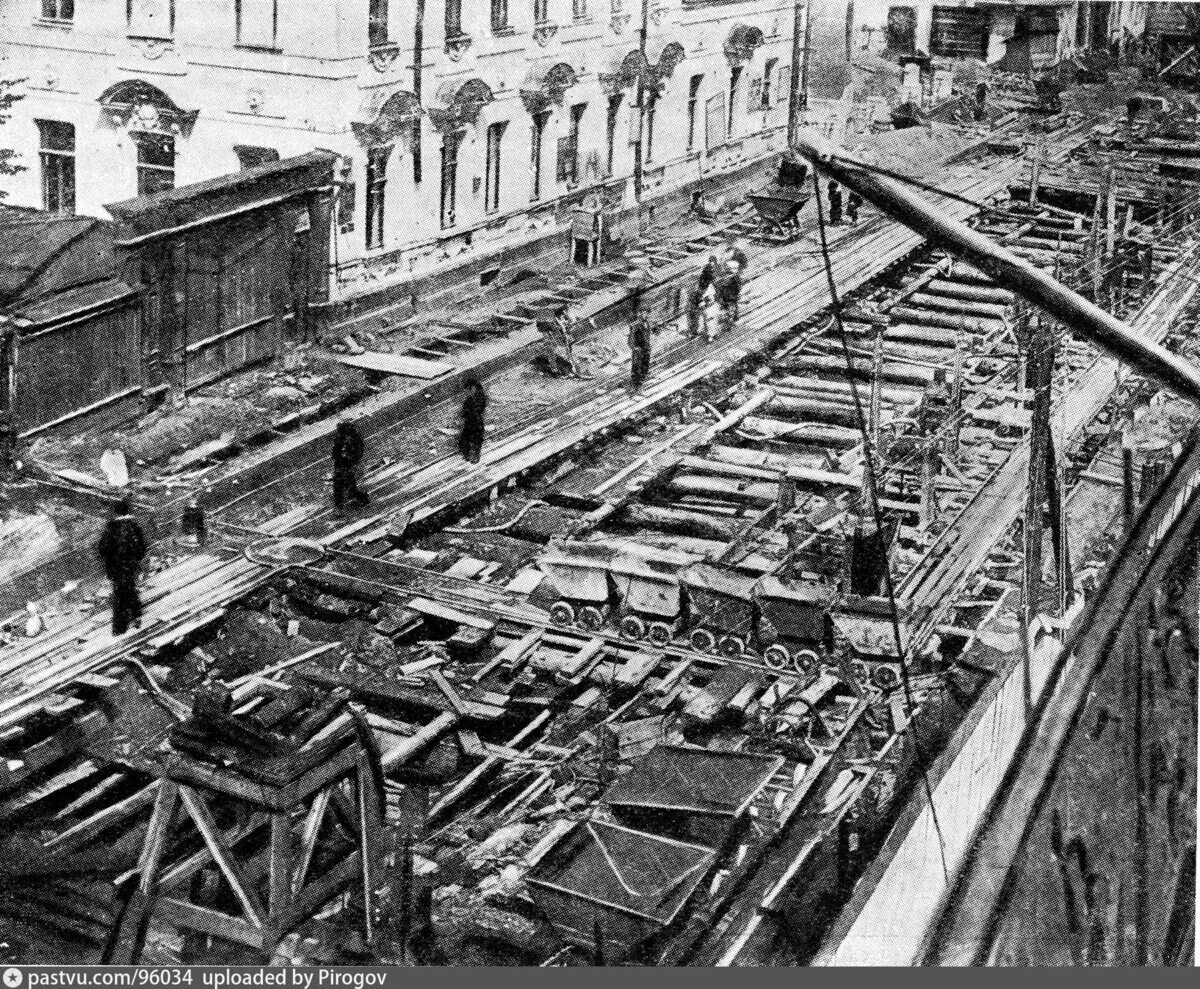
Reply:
x=795, y=569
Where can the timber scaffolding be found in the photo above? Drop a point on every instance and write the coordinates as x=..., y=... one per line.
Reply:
x=501, y=735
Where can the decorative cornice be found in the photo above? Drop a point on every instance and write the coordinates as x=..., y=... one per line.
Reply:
x=457, y=45
x=381, y=57
x=543, y=33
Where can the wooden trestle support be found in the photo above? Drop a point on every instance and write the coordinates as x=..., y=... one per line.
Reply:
x=345, y=785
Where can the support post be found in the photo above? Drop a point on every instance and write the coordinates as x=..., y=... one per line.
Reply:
x=1128, y=501
x=1041, y=368
x=797, y=76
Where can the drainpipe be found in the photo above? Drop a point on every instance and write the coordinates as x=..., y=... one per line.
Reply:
x=418, y=56
x=641, y=111
x=795, y=86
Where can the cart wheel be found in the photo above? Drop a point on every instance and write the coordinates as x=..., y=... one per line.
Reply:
x=732, y=646
x=659, y=633
x=562, y=614
x=885, y=678
x=632, y=627
x=776, y=657
x=703, y=640
x=805, y=661
x=590, y=618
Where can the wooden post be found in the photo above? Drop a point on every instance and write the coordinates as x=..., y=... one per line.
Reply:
x=1040, y=374
x=1035, y=174
x=877, y=391
x=1127, y=478
x=956, y=395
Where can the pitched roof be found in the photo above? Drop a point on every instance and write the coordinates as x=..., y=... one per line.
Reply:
x=30, y=241
x=214, y=197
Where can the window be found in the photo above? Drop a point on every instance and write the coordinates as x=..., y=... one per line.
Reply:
x=449, y=180
x=251, y=157
x=902, y=30
x=155, y=163
x=491, y=188
x=453, y=18
x=959, y=32
x=150, y=18
x=499, y=15
x=735, y=80
x=535, y=153
x=568, y=147
x=541, y=11
x=579, y=9
x=58, y=166
x=693, y=96
x=347, y=201
x=651, y=106
x=377, y=23
x=257, y=21
x=377, y=159
x=58, y=10
x=614, y=107
x=768, y=76
x=714, y=121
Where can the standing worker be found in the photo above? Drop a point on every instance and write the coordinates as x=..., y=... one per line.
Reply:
x=347, y=452
x=981, y=92
x=122, y=547
x=853, y=204
x=639, y=351
x=729, y=292
x=737, y=256
x=470, y=440
x=835, y=204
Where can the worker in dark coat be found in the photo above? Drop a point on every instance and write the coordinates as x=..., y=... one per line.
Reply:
x=122, y=547
x=835, y=204
x=639, y=351
x=729, y=294
x=347, y=452
x=470, y=440
x=853, y=205
x=981, y=92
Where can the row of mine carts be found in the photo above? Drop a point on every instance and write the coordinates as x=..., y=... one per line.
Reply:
x=670, y=599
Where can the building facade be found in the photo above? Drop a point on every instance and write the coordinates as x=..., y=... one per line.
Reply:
x=465, y=127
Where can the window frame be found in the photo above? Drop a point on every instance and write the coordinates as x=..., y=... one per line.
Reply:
x=241, y=43
x=145, y=169
x=378, y=26
x=651, y=109
x=693, y=104
x=448, y=213
x=579, y=10
x=769, y=71
x=375, y=195
x=735, y=87
x=499, y=16
x=492, y=167
x=541, y=12
x=58, y=11
x=453, y=19
x=613, y=112
x=537, y=151
x=56, y=164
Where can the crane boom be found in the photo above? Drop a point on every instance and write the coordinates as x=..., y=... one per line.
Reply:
x=1007, y=269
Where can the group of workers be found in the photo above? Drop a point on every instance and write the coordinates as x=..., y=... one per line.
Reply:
x=853, y=205
x=714, y=301
x=713, y=309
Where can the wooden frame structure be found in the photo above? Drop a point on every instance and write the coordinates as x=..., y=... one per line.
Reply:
x=344, y=785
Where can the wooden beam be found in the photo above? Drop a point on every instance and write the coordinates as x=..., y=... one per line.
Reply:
x=225, y=860
x=308, y=838
x=158, y=834
x=280, y=895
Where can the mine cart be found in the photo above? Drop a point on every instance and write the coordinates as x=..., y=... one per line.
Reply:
x=865, y=624
x=778, y=207
x=722, y=608
x=794, y=618
x=650, y=593
x=580, y=571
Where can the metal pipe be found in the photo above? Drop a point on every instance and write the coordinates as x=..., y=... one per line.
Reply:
x=1075, y=312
